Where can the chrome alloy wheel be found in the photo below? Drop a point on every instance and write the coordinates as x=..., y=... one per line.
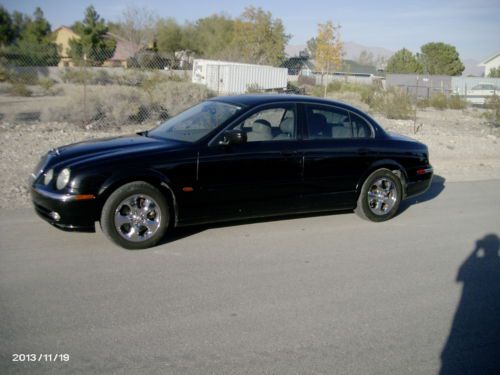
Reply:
x=382, y=196
x=137, y=218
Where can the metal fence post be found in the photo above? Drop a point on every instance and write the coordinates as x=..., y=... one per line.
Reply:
x=84, y=76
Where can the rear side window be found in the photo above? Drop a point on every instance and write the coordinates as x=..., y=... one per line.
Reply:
x=327, y=123
x=360, y=128
x=335, y=123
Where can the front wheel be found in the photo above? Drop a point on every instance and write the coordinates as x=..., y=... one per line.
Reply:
x=380, y=196
x=135, y=216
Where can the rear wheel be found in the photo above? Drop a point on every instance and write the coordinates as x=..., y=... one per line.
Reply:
x=380, y=196
x=135, y=216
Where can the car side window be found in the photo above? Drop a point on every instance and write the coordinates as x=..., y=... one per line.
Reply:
x=270, y=124
x=359, y=127
x=327, y=123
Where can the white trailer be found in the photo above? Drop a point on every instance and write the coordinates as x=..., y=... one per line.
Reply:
x=227, y=78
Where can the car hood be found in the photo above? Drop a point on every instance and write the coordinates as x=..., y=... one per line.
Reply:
x=111, y=146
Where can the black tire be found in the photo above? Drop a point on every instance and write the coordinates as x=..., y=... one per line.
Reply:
x=120, y=195
x=363, y=208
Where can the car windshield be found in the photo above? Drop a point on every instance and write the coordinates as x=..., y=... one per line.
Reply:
x=196, y=122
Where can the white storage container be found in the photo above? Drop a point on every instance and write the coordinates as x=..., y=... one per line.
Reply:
x=226, y=78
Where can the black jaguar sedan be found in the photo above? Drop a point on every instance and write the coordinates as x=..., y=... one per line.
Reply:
x=230, y=158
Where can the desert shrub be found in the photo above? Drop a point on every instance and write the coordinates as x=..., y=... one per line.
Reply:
x=423, y=103
x=353, y=87
x=307, y=80
x=19, y=89
x=393, y=104
x=23, y=77
x=293, y=88
x=102, y=77
x=4, y=73
x=131, y=78
x=178, y=96
x=178, y=78
x=76, y=75
x=334, y=86
x=115, y=105
x=316, y=90
x=368, y=92
x=253, y=89
x=456, y=102
x=46, y=83
x=493, y=104
x=5, y=88
x=438, y=100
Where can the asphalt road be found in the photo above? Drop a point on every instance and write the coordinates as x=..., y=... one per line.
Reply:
x=312, y=295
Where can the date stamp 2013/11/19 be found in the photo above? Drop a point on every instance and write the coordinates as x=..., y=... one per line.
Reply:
x=40, y=357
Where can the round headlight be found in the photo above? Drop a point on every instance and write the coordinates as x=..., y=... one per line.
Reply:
x=47, y=177
x=63, y=178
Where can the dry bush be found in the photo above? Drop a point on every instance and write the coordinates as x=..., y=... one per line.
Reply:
x=438, y=100
x=178, y=96
x=334, y=86
x=316, y=90
x=115, y=105
x=393, y=104
x=493, y=115
x=19, y=89
x=456, y=102
x=423, y=103
x=306, y=81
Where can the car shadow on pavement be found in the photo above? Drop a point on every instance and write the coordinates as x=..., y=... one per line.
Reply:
x=437, y=186
x=473, y=345
x=175, y=234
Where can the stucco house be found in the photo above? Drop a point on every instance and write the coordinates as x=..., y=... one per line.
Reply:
x=490, y=63
x=63, y=35
x=124, y=50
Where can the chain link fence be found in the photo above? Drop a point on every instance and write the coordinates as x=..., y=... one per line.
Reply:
x=145, y=87
x=138, y=89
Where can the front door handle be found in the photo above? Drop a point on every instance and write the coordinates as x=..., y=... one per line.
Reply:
x=364, y=151
x=289, y=153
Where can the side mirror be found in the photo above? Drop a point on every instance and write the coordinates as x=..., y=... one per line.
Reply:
x=234, y=137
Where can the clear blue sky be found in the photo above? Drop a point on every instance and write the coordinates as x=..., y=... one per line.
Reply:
x=473, y=26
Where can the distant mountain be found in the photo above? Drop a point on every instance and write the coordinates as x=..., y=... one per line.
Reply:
x=352, y=50
x=471, y=68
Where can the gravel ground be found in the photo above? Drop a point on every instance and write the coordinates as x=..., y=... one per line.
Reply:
x=462, y=147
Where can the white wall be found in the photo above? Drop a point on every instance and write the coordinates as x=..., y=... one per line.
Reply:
x=494, y=63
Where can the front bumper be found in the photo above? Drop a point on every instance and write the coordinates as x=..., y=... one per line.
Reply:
x=72, y=214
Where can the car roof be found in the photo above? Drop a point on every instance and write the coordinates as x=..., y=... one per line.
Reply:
x=251, y=100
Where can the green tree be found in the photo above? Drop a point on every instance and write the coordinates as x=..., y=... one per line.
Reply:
x=404, y=62
x=494, y=73
x=6, y=30
x=366, y=58
x=19, y=22
x=34, y=45
x=169, y=37
x=94, y=44
x=441, y=58
x=259, y=38
x=213, y=36
x=329, y=47
x=311, y=46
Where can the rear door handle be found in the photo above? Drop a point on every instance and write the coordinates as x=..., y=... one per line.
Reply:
x=364, y=151
x=289, y=153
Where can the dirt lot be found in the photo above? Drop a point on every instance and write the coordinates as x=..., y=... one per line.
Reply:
x=462, y=146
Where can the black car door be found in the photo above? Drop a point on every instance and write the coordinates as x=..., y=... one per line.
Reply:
x=337, y=151
x=261, y=176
